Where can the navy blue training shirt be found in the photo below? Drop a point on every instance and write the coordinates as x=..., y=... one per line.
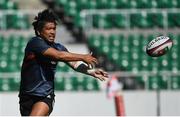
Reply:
x=38, y=71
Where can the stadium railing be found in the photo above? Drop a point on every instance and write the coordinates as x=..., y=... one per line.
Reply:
x=87, y=15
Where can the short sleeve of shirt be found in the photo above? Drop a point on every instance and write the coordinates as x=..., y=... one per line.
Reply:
x=38, y=45
x=61, y=47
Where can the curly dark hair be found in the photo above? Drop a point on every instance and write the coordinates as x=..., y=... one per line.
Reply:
x=43, y=17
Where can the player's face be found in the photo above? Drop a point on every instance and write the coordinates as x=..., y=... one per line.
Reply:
x=49, y=31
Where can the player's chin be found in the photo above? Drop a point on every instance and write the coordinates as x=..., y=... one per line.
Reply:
x=51, y=40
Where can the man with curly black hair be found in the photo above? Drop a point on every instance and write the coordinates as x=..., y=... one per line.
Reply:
x=39, y=65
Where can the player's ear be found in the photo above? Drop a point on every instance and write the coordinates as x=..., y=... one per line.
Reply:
x=38, y=32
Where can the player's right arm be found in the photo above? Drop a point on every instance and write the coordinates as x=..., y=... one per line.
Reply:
x=67, y=56
x=39, y=46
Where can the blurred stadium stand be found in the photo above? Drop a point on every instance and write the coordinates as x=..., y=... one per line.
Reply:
x=116, y=31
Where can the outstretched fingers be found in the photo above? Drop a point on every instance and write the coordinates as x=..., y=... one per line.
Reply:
x=89, y=59
x=102, y=72
x=102, y=78
x=94, y=62
x=105, y=74
x=101, y=75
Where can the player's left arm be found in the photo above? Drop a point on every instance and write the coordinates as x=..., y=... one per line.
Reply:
x=89, y=70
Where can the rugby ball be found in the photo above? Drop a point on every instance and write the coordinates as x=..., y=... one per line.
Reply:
x=159, y=46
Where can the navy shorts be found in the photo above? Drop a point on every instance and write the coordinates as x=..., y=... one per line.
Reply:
x=27, y=101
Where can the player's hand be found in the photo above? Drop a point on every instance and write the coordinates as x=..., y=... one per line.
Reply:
x=89, y=59
x=99, y=74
